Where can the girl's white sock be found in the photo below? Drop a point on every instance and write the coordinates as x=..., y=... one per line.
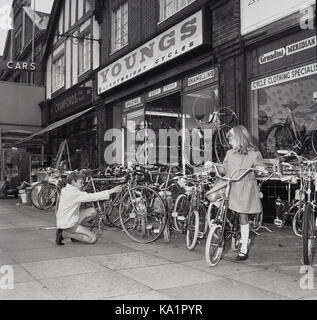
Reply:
x=244, y=237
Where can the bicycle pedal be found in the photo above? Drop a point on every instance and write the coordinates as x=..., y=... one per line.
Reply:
x=174, y=214
x=156, y=231
x=149, y=227
x=278, y=222
x=132, y=215
x=181, y=218
x=200, y=234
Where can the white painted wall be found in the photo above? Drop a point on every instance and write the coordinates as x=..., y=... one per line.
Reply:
x=67, y=15
x=68, y=62
x=96, y=45
x=49, y=77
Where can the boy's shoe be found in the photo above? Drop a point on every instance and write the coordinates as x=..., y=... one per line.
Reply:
x=74, y=240
x=242, y=256
x=59, y=237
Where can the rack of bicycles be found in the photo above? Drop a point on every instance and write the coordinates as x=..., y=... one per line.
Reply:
x=156, y=201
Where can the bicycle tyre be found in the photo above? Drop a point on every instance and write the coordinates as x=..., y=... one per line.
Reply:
x=278, y=137
x=134, y=222
x=297, y=223
x=221, y=144
x=314, y=141
x=308, y=233
x=192, y=229
x=167, y=233
x=214, y=245
x=48, y=196
x=34, y=192
x=181, y=207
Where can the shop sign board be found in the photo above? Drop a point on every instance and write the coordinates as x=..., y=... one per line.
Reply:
x=297, y=73
x=256, y=14
x=293, y=48
x=201, y=78
x=133, y=103
x=164, y=90
x=17, y=65
x=71, y=101
x=174, y=42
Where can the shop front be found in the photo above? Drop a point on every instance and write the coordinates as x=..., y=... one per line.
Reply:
x=158, y=112
x=283, y=94
x=73, y=118
x=158, y=122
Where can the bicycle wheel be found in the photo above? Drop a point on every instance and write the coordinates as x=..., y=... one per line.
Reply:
x=298, y=222
x=144, y=220
x=192, y=229
x=48, y=196
x=214, y=245
x=308, y=234
x=180, y=213
x=167, y=232
x=34, y=192
x=314, y=141
x=221, y=144
x=279, y=137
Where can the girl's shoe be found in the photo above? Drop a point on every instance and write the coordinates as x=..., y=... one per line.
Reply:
x=242, y=256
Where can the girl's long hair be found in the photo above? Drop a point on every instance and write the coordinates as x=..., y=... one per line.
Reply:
x=243, y=139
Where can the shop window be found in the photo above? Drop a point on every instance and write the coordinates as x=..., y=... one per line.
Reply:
x=170, y=7
x=84, y=52
x=58, y=72
x=165, y=114
x=280, y=104
x=119, y=27
x=197, y=108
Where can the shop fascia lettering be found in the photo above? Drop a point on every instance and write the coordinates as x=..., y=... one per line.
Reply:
x=21, y=65
x=289, y=50
x=177, y=40
x=290, y=75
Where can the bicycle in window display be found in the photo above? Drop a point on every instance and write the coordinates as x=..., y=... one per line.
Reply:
x=285, y=136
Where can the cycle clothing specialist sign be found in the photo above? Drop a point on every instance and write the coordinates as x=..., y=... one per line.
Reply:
x=259, y=13
x=286, y=76
x=172, y=43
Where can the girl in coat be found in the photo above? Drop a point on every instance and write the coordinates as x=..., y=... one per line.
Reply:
x=244, y=194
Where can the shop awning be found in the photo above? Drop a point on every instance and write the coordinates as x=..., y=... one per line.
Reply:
x=54, y=125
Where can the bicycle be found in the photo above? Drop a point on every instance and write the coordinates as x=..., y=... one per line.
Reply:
x=284, y=135
x=220, y=121
x=309, y=207
x=223, y=226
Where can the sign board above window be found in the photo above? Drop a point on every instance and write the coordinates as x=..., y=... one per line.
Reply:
x=256, y=14
x=170, y=44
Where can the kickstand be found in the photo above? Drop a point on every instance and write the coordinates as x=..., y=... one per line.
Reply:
x=261, y=227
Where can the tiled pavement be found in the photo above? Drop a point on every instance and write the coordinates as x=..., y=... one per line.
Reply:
x=117, y=268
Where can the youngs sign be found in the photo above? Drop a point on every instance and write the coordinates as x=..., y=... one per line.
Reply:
x=176, y=41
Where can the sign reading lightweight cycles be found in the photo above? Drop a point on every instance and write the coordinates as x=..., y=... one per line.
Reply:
x=172, y=43
x=256, y=14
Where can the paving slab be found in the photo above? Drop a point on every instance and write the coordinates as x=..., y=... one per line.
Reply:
x=32, y=290
x=276, y=282
x=178, y=254
x=167, y=276
x=128, y=260
x=97, y=285
x=221, y=290
x=5, y=259
x=17, y=234
x=222, y=269
x=147, y=295
x=5, y=226
x=21, y=275
x=16, y=245
x=61, y=267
